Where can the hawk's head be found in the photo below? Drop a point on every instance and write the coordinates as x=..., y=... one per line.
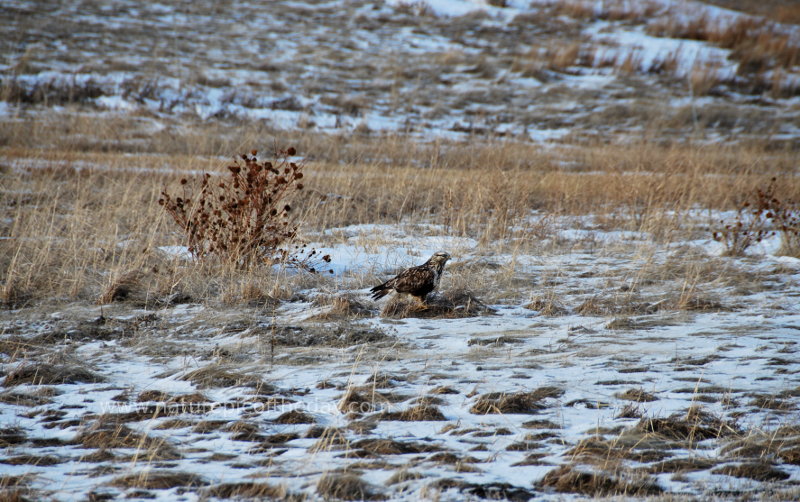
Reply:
x=439, y=258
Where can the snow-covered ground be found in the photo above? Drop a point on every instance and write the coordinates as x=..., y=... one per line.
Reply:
x=594, y=362
x=594, y=343
x=443, y=68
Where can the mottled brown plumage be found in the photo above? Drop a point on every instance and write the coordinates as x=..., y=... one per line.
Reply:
x=416, y=281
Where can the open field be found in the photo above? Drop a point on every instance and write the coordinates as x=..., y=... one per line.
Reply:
x=604, y=329
x=532, y=71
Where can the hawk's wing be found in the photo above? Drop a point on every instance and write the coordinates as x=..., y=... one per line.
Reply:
x=414, y=279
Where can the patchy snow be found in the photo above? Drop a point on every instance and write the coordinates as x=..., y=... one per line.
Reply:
x=730, y=352
x=588, y=317
x=453, y=8
x=649, y=53
x=424, y=68
x=115, y=103
x=176, y=251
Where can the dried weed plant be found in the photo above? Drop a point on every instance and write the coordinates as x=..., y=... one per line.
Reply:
x=762, y=215
x=247, y=219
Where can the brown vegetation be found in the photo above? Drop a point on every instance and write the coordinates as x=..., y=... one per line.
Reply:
x=519, y=402
x=392, y=447
x=61, y=245
x=246, y=219
x=259, y=491
x=451, y=304
x=422, y=412
x=50, y=374
x=215, y=375
x=762, y=214
x=83, y=227
x=758, y=45
x=346, y=487
x=295, y=417
x=571, y=479
x=159, y=480
x=695, y=425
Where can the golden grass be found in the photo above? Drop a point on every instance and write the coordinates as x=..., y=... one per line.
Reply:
x=86, y=224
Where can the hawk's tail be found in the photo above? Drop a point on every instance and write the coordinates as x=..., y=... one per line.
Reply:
x=379, y=292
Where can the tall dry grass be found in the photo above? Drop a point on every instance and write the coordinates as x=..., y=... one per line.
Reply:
x=86, y=224
x=72, y=230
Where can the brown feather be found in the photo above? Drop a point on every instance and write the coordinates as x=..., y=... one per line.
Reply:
x=416, y=281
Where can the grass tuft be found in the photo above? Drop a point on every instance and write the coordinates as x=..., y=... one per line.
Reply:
x=570, y=479
x=694, y=425
x=519, y=402
x=248, y=490
x=50, y=374
x=346, y=487
x=452, y=304
x=159, y=480
x=419, y=413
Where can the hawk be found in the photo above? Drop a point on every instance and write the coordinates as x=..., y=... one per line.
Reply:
x=415, y=281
